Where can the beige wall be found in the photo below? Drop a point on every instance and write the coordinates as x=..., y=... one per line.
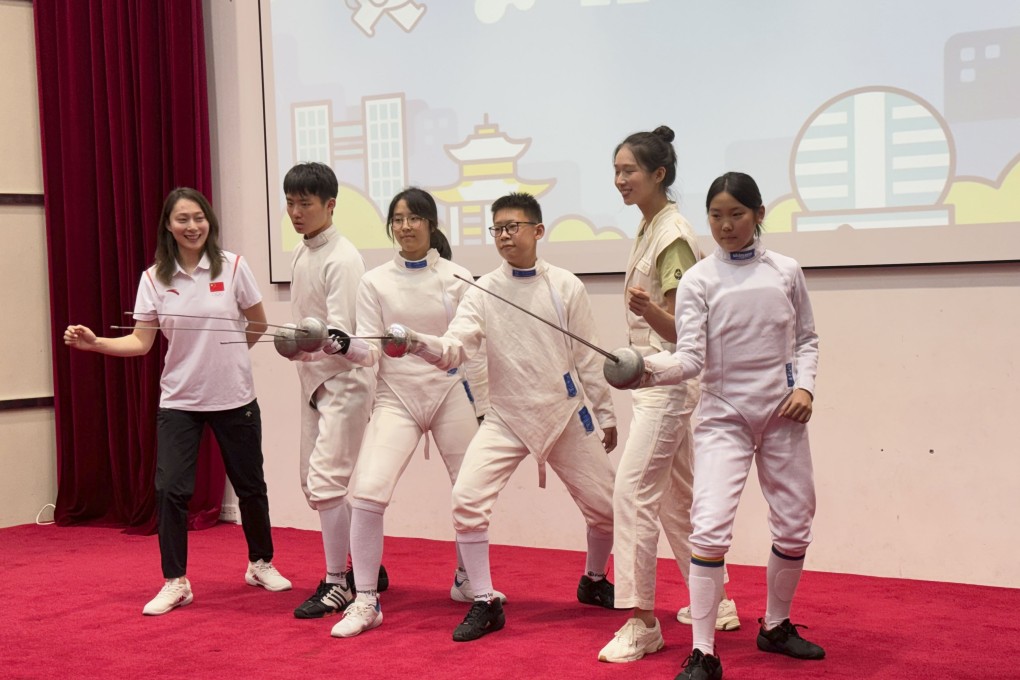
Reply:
x=915, y=459
x=27, y=446
x=914, y=456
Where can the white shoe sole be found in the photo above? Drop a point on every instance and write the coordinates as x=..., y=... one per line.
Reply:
x=635, y=657
x=252, y=581
x=337, y=632
x=186, y=601
x=728, y=623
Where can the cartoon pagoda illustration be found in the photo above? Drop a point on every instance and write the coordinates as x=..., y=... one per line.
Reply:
x=488, y=170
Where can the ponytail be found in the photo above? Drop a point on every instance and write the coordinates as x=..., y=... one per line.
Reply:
x=438, y=240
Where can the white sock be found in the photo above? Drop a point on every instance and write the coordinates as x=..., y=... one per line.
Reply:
x=460, y=559
x=370, y=597
x=474, y=548
x=336, y=540
x=600, y=545
x=782, y=576
x=706, y=585
x=367, y=545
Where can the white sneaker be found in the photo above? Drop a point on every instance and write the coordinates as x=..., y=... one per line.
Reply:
x=726, y=619
x=362, y=615
x=632, y=642
x=176, y=592
x=461, y=590
x=264, y=574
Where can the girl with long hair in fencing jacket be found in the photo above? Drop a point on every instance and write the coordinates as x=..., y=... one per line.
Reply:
x=744, y=317
x=412, y=399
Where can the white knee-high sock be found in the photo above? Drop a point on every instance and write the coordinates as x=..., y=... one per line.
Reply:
x=474, y=548
x=336, y=539
x=600, y=545
x=782, y=575
x=460, y=558
x=706, y=586
x=367, y=545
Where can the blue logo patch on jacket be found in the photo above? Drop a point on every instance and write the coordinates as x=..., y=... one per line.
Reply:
x=789, y=375
x=742, y=254
x=585, y=417
x=571, y=388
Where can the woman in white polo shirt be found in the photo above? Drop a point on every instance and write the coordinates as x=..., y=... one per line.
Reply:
x=203, y=382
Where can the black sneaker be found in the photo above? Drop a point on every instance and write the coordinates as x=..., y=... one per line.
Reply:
x=700, y=666
x=329, y=598
x=382, y=584
x=483, y=618
x=600, y=593
x=784, y=639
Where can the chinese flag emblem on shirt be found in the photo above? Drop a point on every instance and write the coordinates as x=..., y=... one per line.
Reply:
x=216, y=287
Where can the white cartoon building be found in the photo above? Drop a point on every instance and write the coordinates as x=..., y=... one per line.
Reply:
x=488, y=169
x=377, y=140
x=873, y=158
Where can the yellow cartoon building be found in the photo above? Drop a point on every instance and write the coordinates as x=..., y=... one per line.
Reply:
x=488, y=169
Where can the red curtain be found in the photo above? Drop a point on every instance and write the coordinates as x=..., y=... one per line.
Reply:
x=124, y=118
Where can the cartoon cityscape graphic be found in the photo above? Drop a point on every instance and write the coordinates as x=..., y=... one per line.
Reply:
x=377, y=146
x=875, y=157
x=882, y=157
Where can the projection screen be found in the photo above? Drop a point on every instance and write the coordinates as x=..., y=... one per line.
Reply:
x=879, y=132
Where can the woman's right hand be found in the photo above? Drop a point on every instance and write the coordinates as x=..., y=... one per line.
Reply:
x=638, y=300
x=80, y=337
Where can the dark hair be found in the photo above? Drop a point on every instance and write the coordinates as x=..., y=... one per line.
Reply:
x=421, y=203
x=653, y=150
x=520, y=201
x=316, y=179
x=166, y=244
x=741, y=187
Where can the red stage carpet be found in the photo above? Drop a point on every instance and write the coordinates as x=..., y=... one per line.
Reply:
x=72, y=601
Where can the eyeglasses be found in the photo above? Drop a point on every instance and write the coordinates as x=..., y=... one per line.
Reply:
x=510, y=228
x=413, y=221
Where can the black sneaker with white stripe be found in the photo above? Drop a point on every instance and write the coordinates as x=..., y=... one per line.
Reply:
x=329, y=599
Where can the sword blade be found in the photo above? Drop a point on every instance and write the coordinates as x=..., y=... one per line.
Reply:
x=209, y=330
x=545, y=321
x=222, y=318
x=353, y=337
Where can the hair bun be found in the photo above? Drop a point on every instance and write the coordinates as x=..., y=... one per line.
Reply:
x=665, y=132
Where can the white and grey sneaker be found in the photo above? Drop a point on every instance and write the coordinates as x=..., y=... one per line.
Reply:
x=726, y=619
x=328, y=599
x=632, y=642
x=461, y=590
x=176, y=592
x=264, y=574
x=362, y=615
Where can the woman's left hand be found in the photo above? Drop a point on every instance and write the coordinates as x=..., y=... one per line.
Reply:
x=638, y=300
